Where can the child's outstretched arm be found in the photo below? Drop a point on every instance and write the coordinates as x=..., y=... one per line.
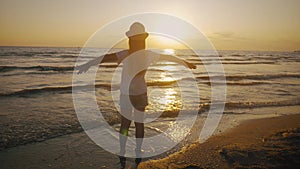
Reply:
x=101, y=59
x=177, y=60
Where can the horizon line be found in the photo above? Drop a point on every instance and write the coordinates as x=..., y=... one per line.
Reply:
x=261, y=50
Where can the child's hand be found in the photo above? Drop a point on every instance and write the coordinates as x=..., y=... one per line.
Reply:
x=191, y=65
x=82, y=68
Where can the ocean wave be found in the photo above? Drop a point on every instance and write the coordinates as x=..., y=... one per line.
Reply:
x=68, y=89
x=239, y=55
x=42, y=52
x=238, y=83
x=195, y=55
x=221, y=59
x=39, y=68
x=60, y=89
x=262, y=104
x=204, y=107
x=209, y=62
x=37, y=90
x=44, y=68
x=29, y=53
x=253, y=76
x=32, y=73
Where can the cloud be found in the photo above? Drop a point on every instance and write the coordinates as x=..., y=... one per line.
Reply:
x=226, y=36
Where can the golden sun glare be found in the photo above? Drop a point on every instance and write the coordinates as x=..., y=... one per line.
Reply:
x=169, y=51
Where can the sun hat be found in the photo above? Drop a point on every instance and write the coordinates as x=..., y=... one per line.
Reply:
x=137, y=29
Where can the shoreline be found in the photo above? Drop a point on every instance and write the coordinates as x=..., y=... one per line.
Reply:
x=78, y=151
x=272, y=142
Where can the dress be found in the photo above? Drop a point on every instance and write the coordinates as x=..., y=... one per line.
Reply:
x=133, y=87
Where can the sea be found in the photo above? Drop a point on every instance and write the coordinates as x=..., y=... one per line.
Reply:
x=36, y=89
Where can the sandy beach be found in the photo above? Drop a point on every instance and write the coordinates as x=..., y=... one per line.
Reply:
x=260, y=143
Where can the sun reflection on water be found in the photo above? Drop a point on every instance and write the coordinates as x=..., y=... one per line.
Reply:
x=165, y=77
x=168, y=100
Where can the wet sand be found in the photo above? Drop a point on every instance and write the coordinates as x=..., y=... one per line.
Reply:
x=260, y=143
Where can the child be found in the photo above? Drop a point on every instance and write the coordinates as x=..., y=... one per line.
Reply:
x=133, y=87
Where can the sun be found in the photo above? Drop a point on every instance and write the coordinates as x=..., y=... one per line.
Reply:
x=169, y=51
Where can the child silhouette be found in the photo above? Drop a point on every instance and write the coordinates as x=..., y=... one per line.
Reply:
x=133, y=87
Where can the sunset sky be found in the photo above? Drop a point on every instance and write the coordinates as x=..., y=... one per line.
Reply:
x=230, y=24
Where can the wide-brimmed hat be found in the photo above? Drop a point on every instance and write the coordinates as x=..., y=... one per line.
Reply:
x=137, y=29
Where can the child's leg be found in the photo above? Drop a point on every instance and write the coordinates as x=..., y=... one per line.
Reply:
x=139, y=128
x=124, y=129
x=139, y=134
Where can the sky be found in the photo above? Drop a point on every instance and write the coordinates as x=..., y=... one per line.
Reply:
x=271, y=25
